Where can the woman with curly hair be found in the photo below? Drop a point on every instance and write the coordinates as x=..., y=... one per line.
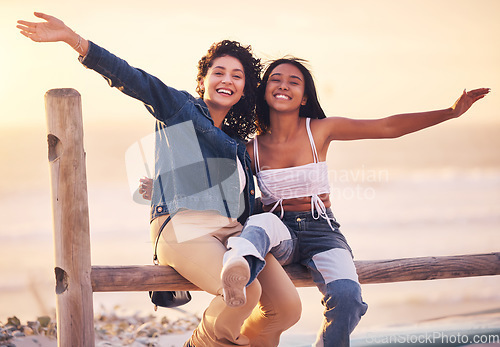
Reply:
x=203, y=185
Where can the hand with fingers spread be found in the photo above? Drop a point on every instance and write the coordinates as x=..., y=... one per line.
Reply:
x=468, y=98
x=52, y=30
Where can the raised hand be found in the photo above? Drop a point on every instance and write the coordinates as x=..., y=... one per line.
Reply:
x=466, y=100
x=52, y=30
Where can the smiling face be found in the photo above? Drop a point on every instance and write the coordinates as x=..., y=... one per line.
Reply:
x=295, y=70
x=224, y=83
x=285, y=89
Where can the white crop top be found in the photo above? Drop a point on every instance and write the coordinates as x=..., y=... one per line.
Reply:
x=306, y=180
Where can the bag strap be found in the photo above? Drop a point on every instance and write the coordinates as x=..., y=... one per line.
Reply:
x=164, y=224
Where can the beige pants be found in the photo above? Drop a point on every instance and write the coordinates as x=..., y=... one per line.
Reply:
x=273, y=304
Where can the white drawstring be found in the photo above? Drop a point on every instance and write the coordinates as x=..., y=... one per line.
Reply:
x=280, y=203
x=319, y=207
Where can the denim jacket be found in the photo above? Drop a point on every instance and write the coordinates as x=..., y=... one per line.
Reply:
x=195, y=162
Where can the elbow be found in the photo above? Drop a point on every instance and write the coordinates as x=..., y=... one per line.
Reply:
x=397, y=134
x=392, y=132
x=388, y=128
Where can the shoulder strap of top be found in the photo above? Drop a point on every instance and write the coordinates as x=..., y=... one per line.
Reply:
x=256, y=154
x=311, y=140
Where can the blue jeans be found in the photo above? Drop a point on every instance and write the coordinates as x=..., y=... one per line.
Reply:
x=300, y=238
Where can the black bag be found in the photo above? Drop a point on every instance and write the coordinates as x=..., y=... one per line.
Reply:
x=167, y=298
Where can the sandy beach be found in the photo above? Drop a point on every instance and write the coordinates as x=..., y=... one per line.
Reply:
x=443, y=331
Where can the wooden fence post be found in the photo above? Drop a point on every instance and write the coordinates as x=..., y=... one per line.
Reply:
x=75, y=316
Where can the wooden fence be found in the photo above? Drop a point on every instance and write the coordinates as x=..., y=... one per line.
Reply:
x=77, y=279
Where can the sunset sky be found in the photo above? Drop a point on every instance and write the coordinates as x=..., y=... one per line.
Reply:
x=370, y=58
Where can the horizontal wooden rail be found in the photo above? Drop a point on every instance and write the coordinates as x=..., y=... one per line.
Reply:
x=151, y=277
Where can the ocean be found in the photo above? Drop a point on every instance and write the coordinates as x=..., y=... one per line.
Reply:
x=428, y=194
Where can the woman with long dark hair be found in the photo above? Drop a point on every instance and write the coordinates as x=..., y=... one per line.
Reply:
x=289, y=161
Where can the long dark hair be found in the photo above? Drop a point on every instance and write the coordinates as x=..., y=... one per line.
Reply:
x=240, y=120
x=312, y=108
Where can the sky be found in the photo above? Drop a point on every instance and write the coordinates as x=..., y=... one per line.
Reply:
x=370, y=58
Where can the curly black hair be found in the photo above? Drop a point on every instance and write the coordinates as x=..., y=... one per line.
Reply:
x=312, y=109
x=240, y=120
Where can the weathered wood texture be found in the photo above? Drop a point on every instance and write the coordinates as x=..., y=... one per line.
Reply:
x=151, y=277
x=75, y=325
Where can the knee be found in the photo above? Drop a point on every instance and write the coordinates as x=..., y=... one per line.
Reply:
x=253, y=293
x=292, y=312
x=289, y=318
x=262, y=220
x=286, y=310
x=268, y=224
x=345, y=293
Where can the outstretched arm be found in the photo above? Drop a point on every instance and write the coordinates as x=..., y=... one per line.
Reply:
x=161, y=100
x=52, y=30
x=398, y=125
